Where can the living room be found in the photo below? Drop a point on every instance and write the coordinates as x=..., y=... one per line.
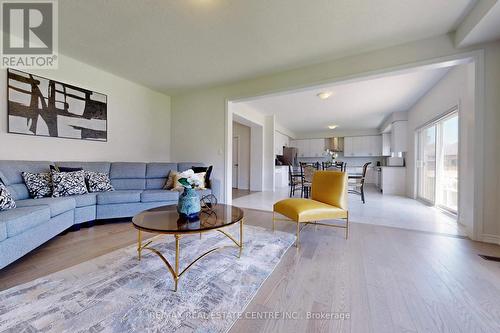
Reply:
x=116, y=168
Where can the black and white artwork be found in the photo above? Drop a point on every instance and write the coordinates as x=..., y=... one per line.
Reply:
x=40, y=106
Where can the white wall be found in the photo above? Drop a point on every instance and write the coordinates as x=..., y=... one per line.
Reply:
x=280, y=140
x=138, y=121
x=454, y=89
x=243, y=134
x=208, y=106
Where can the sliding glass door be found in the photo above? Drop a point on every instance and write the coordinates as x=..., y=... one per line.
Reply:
x=447, y=186
x=437, y=163
x=427, y=164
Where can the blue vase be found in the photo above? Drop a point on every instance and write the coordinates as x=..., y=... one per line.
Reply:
x=189, y=205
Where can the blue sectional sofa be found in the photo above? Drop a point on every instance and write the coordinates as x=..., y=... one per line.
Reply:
x=138, y=186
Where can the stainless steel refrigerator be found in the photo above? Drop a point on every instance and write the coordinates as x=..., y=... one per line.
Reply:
x=290, y=156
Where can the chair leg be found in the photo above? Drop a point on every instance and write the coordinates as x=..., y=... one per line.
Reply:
x=297, y=241
x=363, y=193
x=347, y=226
x=274, y=222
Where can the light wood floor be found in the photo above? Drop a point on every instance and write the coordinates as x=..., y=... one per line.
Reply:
x=386, y=279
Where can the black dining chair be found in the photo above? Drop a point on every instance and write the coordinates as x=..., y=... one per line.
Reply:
x=296, y=179
x=357, y=185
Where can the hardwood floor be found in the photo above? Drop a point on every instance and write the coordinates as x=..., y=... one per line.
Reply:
x=384, y=279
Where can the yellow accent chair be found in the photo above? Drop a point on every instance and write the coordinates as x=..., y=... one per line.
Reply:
x=328, y=202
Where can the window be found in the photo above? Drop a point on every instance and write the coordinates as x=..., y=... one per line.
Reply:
x=437, y=162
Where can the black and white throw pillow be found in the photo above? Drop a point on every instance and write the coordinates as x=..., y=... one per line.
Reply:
x=98, y=182
x=39, y=184
x=68, y=183
x=6, y=201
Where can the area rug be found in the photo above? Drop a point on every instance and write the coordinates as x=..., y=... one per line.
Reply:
x=117, y=293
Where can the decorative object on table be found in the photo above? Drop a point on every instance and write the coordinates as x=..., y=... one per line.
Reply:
x=208, y=201
x=331, y=154
x=98, y=182
x=6, y=200
x=68, y=183
x=39, y=184
x=44, y=107
x=189, y=201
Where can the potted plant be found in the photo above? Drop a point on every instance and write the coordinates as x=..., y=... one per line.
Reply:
x=189, y=202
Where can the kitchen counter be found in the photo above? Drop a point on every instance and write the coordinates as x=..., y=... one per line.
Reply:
x=393, y=180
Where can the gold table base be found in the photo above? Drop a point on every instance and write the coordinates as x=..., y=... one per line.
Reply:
x=175, y=270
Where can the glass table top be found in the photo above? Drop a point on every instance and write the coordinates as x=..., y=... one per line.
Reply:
x=166, y=220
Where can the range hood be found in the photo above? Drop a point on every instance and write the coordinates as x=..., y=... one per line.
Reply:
x=335, y=144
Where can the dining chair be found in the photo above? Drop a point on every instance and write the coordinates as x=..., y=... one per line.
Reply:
x=357, y=185
x=308, y=172
x=295, y=180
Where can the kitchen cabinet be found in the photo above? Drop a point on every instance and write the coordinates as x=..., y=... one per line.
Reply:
x=399, y=136
x=309, y=147
x=386, y=144
x=363, y=146
x=393, y=180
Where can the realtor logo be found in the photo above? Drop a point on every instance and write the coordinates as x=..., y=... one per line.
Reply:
x=29, y=38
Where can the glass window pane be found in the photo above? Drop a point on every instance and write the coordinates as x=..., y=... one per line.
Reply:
x=448, y=180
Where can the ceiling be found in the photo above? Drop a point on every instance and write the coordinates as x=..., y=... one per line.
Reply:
x=175, y=45
x=353, y=106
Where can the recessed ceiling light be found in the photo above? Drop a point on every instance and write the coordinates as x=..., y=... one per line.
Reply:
x=333, y=126
x=324, y=94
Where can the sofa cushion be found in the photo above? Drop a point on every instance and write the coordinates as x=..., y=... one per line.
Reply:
x=128, y=176
x=159, y=195
x=57, y=205
x=24, y=218
x=103, y=167
x=11, y=170
x=3, y=231
x=157, y=174
x=125, y=196
x=85, y=200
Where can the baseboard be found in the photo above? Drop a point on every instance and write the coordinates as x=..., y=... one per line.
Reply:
x=488, y=238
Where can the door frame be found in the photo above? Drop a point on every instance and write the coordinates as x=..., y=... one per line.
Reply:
x=239, y=158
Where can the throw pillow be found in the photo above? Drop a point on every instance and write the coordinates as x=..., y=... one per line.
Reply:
x=98, y=182
x=207, y=170
x=169, y=184
x=39, y=184
x=68, y=183
x=6, y=201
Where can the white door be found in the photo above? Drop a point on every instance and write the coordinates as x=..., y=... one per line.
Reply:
x=236, y=143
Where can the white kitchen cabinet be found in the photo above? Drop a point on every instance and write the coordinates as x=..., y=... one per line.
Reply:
x=348, y=146
x=386, y=144
x=399, y=136
x=363, y=146
x=309, y=147
x=394, y=180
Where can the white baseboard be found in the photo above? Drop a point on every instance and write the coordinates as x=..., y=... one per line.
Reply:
x=488, y=238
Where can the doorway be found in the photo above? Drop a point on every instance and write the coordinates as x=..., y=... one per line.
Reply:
x=437, y=162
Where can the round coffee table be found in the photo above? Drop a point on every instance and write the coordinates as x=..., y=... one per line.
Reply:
x=165, y=221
